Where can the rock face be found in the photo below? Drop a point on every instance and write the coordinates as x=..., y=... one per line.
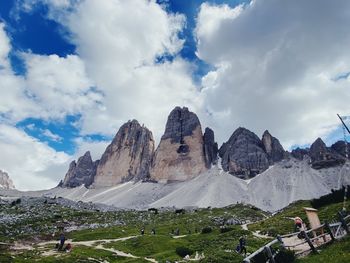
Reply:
x=322, y=157
x=273, y=148
x=210, y=147
x=180, y=154
x=127, y=158
x=5, y=181
x=340, y=148
x=243, y=154
x=299, y=153
x=81, y=172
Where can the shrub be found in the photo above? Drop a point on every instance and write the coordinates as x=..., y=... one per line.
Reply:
x=285, y=256
x=206, y=230
x=183, y=251
x=225, y=229
x=336, y=196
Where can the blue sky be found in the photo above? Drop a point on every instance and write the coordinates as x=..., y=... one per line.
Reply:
x=72, y=72
x=34, y=32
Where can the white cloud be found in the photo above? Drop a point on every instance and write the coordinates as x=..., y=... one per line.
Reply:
x=96, y=148
x=275, y=67
x=4, y=47
x=59, y=85
x=30, y=163
x=50, y=135
x=119, y=42
x=211, y=17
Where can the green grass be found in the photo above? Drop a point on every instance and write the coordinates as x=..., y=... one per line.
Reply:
x=216, y=246
x=337, y=252
x=280, y=224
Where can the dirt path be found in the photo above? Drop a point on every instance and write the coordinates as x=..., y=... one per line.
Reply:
x=256, y=233
x=97, y=244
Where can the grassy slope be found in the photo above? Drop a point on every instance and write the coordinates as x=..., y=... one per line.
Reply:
x=279, y=224
x=162, y=246
x=338, y=252
x=216, y=246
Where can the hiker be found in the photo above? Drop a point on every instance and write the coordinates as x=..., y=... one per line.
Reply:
x=62, y=240
x=242, y=247
x=142, y=231
x=68, y=248
x=153, y=232
x=298, y=224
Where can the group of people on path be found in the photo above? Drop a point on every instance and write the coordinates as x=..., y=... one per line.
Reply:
x=60, y=246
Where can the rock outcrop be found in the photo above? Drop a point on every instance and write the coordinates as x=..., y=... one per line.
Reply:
x=299, y=153
x=210, y=148
x=323, y=157
x=340, y=148
x=243, y=154
x=127, y=158
x=180, y=154
x=273, y=148
x=5, y=181
x=81, y=172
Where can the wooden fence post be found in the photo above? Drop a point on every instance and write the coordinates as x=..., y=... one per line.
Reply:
x=343, y=223
x=269, y=254
x=308, y=241
x=329, y=230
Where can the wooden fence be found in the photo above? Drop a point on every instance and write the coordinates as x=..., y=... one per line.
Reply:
x=304, y=241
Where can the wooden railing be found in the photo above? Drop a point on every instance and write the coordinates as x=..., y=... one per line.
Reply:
x=326, y=233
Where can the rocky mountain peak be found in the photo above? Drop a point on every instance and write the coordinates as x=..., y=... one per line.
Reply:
x=318, y=150
x=180, y=154
x=181, y=123
x=5, y=181
x=273, y=148
x=342, y=148
x=244, y=154
x=210, y=147
x=128, y=157
x=81, y=172
x=323, y=157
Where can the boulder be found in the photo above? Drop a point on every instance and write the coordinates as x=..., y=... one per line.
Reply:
x=127, y=158
x=180, y=154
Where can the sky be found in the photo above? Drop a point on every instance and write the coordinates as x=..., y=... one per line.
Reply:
x=73, y=71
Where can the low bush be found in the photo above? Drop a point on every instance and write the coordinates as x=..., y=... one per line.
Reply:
x=206, y=230
x=183, y=251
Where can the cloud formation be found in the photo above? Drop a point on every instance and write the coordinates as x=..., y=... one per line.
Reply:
x=123, y=62
x=30, y=163
x=276, y=67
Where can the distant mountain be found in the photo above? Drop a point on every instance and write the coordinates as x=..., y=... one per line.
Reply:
x=281, y=184
x=127, y=158
x=180, y=154
x=185, y=169
x=81, y=172
x=5, y=181
x=245, y=155
x=183, y=153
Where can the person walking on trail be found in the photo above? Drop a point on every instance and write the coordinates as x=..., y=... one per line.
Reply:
x=298, y=224
x=62, y=240
x=242, y=244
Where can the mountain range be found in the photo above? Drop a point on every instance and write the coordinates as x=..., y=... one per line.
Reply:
x=189, y=169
